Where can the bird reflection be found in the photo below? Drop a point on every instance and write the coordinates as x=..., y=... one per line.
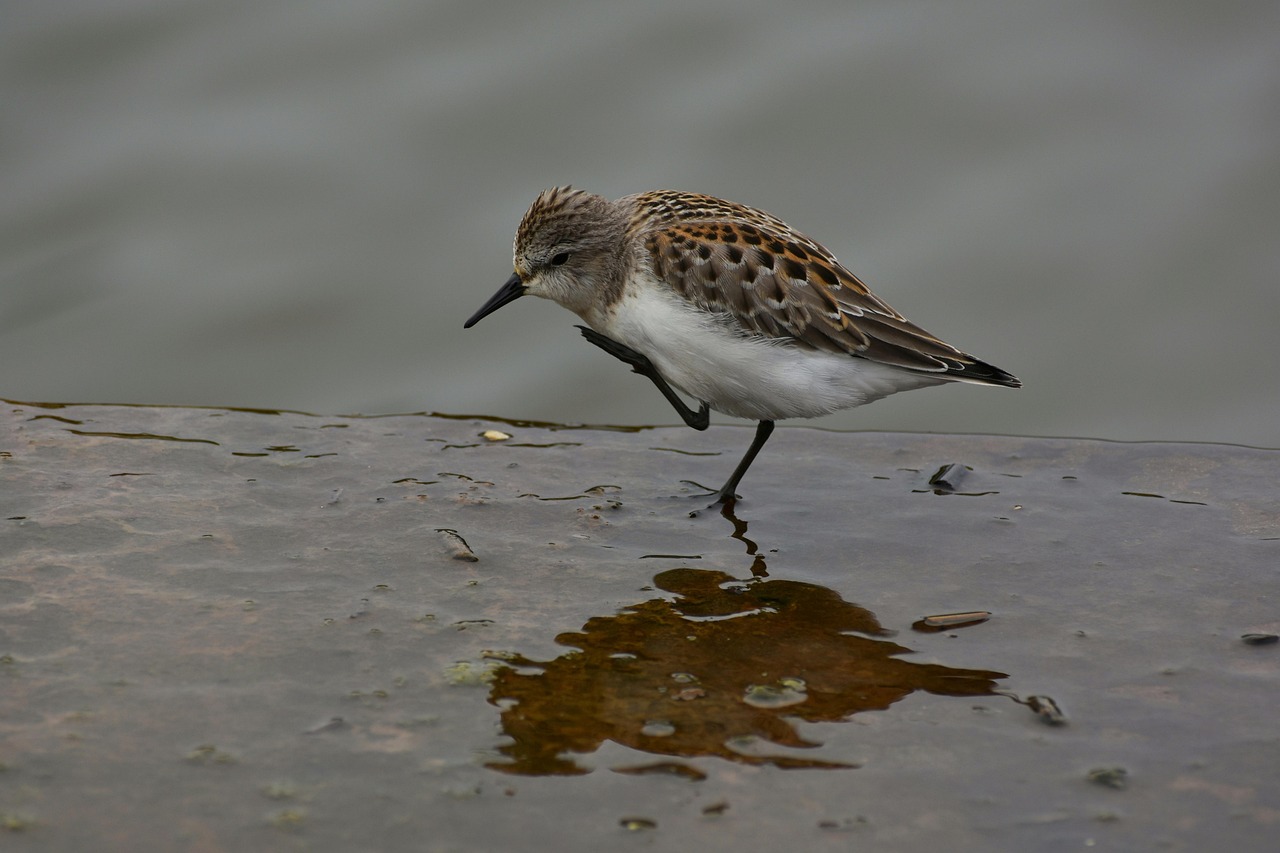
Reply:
x=724, y=669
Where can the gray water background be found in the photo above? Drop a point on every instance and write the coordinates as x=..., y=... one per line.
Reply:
x=296, y=204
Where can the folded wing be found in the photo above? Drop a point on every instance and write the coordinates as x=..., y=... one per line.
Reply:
x=780, y=284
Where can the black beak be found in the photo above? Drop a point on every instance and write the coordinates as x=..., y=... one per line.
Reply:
x=509, y=292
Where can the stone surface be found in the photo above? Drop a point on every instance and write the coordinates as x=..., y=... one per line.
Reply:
x=229, y=630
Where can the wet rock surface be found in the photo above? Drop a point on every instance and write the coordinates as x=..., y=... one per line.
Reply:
x=230, y=630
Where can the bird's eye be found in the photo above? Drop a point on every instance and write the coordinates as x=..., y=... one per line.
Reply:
x=560, y=259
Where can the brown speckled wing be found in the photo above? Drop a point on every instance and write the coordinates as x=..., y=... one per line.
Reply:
x=778, y=283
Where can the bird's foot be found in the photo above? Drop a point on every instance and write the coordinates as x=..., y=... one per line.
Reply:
x=723, y=499
x=641, y=364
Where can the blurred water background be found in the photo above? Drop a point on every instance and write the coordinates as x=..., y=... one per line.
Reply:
x=296, y=204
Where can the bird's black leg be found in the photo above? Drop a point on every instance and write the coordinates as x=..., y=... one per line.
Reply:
x=728, y=492
x=699, y=420
x=640, y=364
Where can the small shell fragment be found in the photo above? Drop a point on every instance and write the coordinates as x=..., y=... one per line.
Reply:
x=948, y=477
x=458, y=547
x=495, y=435
x=947, y=620
x=1260, y=639
x=943, y=621
x=1047, y=710
x=1109, y=777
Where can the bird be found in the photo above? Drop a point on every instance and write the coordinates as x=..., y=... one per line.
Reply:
x=726, y=304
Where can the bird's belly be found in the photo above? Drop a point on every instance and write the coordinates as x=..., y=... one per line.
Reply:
x=747, y=376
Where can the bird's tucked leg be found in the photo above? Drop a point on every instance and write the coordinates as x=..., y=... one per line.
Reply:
x=640, y=364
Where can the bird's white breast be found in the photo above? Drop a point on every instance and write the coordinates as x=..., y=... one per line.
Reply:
x=747, y=376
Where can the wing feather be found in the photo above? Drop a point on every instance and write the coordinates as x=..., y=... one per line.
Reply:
x=777, y=283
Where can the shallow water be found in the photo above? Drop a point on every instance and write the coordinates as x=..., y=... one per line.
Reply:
x=245, y=631
x=296, y=207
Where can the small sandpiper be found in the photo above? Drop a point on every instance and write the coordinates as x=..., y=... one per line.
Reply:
x=727, y=304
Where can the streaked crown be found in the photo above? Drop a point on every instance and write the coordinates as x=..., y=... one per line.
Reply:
x=563, y=219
